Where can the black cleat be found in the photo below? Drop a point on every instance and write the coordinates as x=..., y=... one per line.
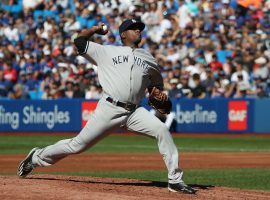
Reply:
x=26, y=165
x=181, y=187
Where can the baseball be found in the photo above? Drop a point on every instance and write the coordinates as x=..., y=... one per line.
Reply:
x=105, y=28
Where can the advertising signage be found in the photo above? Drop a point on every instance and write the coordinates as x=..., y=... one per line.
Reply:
x=52, y=115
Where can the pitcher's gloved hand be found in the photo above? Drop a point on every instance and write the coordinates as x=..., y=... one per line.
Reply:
x=159, y=101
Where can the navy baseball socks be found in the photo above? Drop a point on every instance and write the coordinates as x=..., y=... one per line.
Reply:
x=26, y=166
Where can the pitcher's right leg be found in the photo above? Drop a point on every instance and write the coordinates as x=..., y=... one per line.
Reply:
x=102, y=121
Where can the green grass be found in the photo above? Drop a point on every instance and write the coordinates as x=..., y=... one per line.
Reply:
x=13, y=144
x=255, y=179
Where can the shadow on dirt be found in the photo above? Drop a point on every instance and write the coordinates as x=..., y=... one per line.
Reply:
x=126, y=182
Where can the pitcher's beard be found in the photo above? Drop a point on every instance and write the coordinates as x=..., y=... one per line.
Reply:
x=137, y=42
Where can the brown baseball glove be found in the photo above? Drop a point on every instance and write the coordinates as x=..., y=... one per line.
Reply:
x=159, y=101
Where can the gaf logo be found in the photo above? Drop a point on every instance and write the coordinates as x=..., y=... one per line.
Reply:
x=87, y=109
x=237, y=115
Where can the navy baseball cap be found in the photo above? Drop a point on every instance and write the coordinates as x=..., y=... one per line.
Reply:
x=131, y=23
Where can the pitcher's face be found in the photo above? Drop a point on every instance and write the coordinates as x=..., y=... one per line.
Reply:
x=132, y=35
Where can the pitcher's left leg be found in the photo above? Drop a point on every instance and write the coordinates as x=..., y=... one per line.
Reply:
x=144, y=122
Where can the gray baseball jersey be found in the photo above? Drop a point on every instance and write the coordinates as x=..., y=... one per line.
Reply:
x=124, y=74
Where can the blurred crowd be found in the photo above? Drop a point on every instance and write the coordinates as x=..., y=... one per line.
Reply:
x=205, y=48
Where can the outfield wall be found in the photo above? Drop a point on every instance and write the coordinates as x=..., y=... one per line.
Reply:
x=191, y=115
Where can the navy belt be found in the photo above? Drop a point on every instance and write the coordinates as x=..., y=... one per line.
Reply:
x=127, y=106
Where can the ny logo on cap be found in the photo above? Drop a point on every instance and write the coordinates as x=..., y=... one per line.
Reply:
x=133, y=21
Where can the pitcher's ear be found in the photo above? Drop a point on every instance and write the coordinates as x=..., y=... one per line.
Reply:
x=123, y=35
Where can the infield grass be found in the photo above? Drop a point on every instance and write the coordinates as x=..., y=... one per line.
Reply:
x=13, y=144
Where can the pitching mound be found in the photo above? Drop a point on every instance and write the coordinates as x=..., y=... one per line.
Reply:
x=73, y=187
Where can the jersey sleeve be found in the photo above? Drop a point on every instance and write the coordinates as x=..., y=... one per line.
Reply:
x=156, y=79
x=93, y=52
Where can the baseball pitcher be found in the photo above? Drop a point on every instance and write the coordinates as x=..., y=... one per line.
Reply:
x=125, y=73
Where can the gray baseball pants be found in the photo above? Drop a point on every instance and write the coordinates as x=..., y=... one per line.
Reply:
x=106, y=118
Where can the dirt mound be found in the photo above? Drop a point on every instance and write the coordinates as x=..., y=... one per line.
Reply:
x=73, y=187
